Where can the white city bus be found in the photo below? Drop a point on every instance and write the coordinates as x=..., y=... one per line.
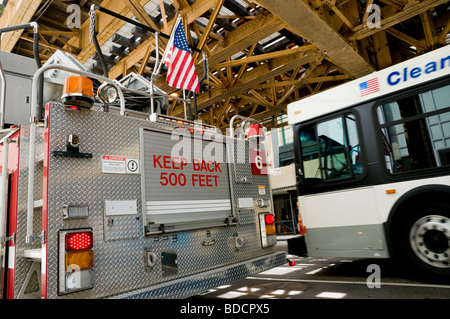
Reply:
x=373, y=165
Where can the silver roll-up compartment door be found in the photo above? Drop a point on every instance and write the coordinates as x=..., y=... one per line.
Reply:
x=185, y=181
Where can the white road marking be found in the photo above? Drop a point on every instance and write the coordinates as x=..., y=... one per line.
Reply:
x=315, y=271
x=232, y=294
x=278, y=271
x=353, y=282
x=332, y=295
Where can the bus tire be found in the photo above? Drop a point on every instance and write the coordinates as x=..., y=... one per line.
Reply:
x=423, y=241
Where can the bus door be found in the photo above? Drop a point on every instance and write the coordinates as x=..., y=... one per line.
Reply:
x=336, y=214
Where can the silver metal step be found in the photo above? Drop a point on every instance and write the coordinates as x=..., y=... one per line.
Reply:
x=33, y=254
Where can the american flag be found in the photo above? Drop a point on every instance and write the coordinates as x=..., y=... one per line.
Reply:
x=369, y=87
x=181, y=73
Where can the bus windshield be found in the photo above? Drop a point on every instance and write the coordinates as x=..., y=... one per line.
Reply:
x=330, y=149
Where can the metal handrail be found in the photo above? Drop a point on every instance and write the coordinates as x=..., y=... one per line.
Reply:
x=241, y=117
x=2, y=96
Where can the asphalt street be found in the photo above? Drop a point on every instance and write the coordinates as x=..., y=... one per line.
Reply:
x=330, y=278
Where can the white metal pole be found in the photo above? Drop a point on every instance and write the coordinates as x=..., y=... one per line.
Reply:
x=31, y=162
x=184, y=98
x=2, y=97
x=152, y=96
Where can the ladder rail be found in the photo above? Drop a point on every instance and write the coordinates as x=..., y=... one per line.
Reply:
x=3, y=189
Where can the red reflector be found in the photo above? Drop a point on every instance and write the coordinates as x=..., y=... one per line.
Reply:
x=269, y=219
x=79, y=241
x=72, y=108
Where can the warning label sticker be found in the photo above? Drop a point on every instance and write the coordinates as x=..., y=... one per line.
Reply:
x=119, y=165
x=262, y=190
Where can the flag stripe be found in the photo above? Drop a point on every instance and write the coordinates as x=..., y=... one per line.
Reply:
x=192, y=79
x=190, y=74
x=184, y=64
x=175, y=65
x=178, y=65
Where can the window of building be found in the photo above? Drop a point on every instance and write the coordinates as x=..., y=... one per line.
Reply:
x=285, y=133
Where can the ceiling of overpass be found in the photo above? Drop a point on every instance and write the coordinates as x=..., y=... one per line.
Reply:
x=262, y=55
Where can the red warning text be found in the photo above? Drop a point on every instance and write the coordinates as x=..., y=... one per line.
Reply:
x=197, y=179
x=169, y=162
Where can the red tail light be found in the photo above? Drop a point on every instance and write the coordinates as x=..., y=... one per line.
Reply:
x=268, y=231
x=269, y=219
x=79, y=241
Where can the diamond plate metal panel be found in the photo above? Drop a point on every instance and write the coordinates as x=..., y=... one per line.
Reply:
x=119, y=253
x=121, y=227
x=246, y=217
x=200, y=282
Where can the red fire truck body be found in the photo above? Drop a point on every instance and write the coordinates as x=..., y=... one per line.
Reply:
x=129, y=205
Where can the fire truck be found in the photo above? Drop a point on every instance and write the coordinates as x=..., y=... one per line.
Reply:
x=108, y=196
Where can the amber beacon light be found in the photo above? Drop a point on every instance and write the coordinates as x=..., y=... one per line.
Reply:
x=78, y=91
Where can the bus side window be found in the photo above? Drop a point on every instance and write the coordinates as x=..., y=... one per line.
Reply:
x=415, y=131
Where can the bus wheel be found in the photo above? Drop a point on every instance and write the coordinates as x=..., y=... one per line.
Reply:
x=427, y=248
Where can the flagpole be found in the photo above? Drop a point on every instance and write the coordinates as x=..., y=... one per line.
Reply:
x=184, y=98
x=158, y=67
x=152, y=77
